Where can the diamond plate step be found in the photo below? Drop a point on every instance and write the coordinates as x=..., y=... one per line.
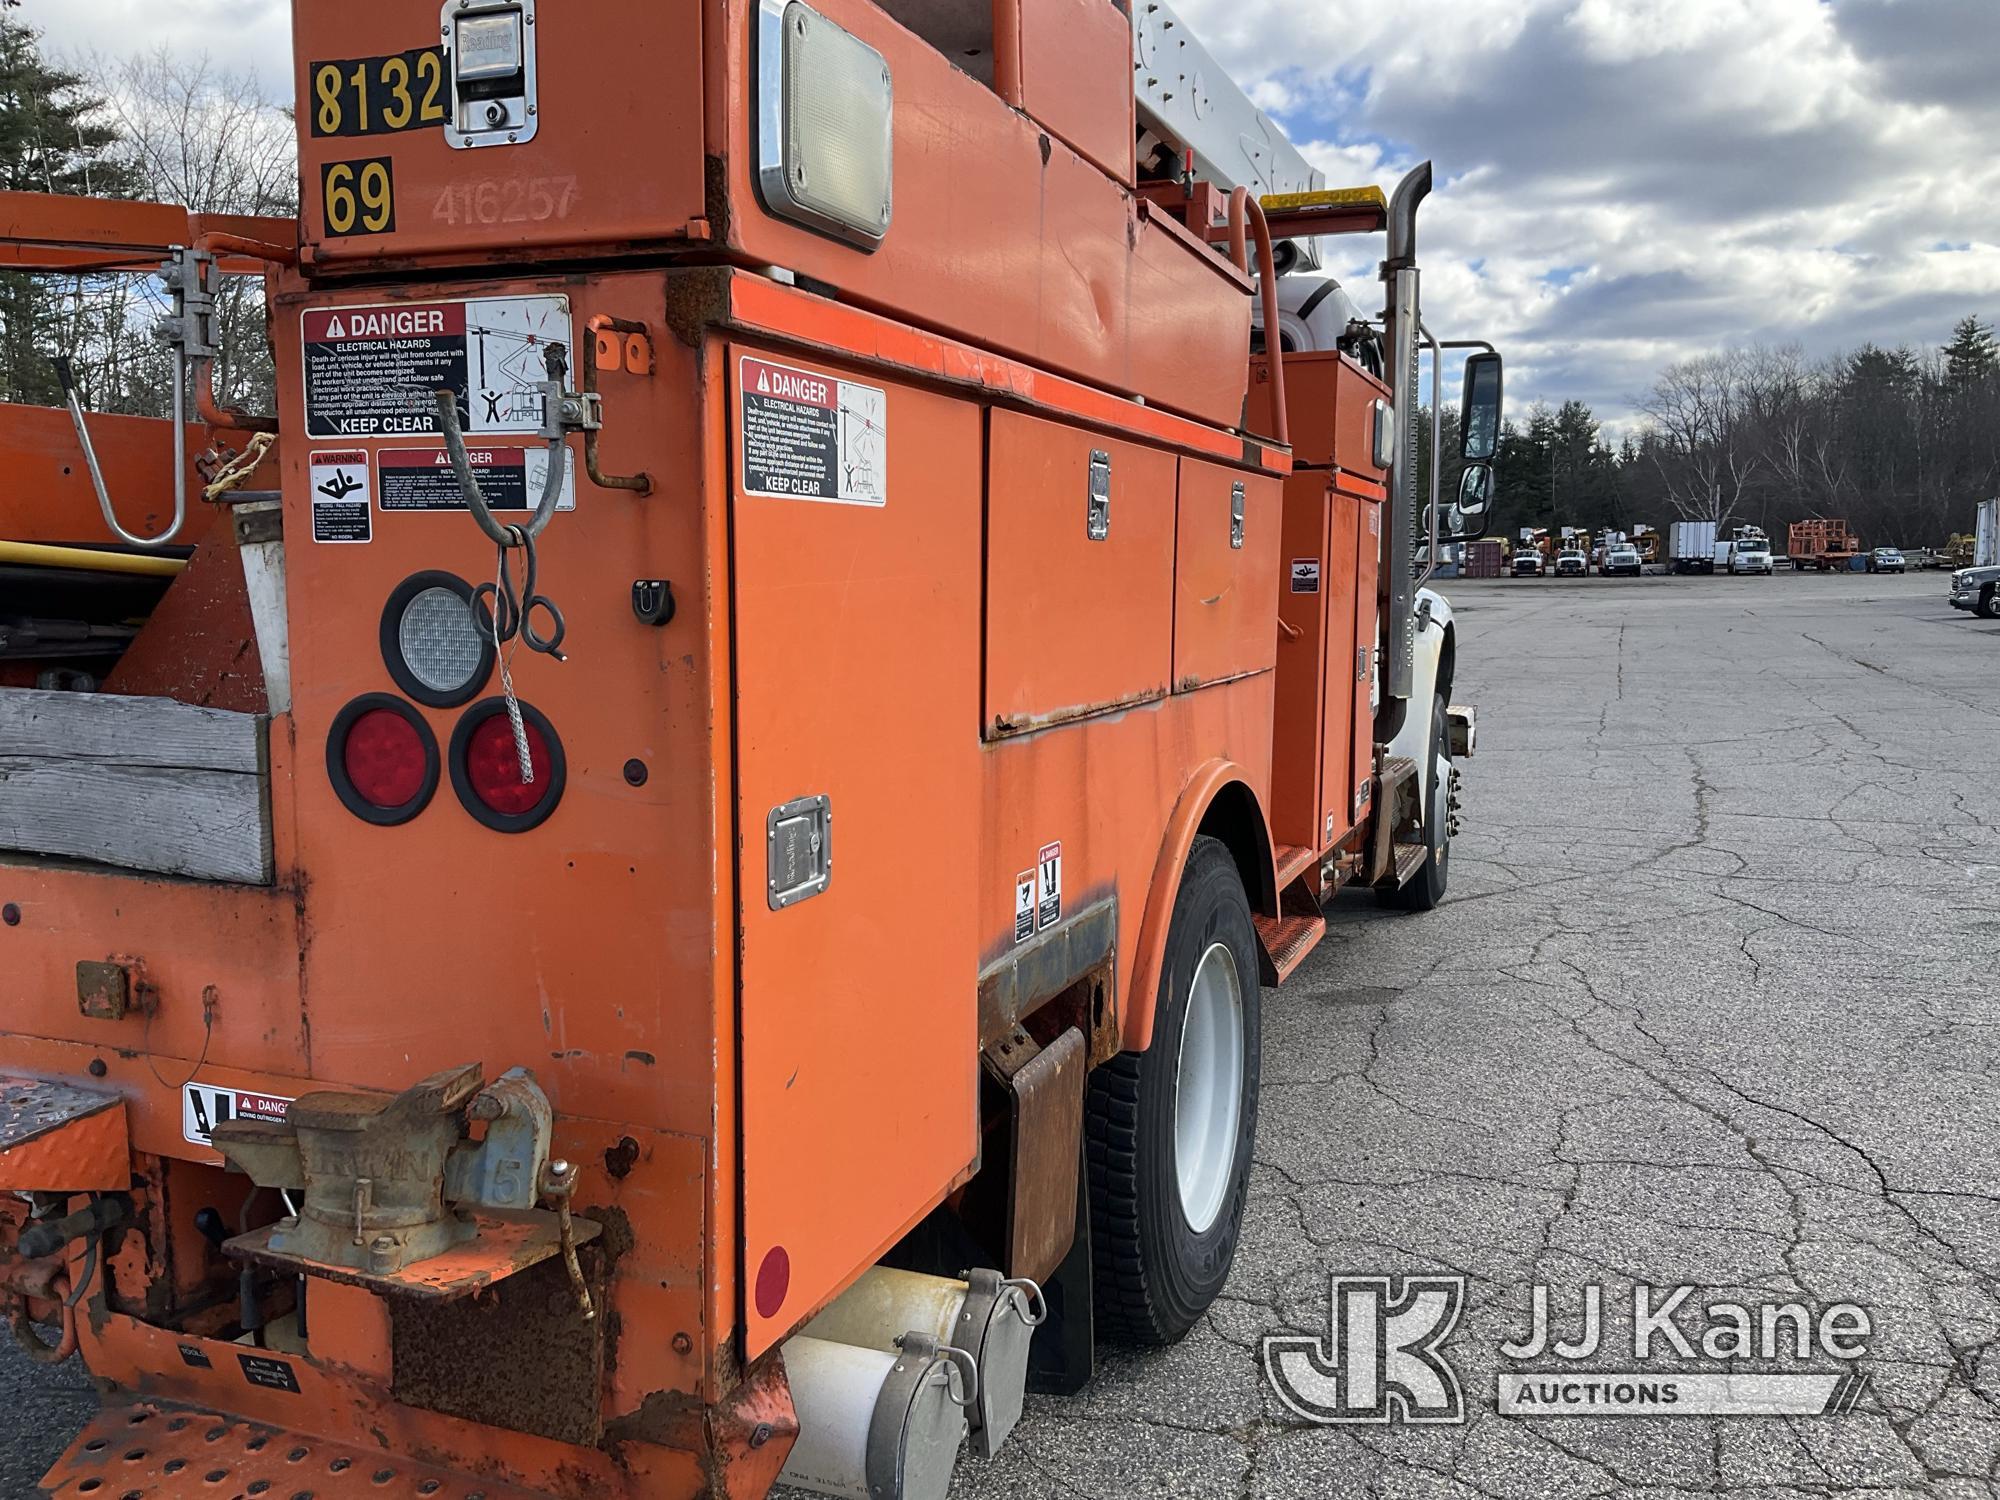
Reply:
x=1287, y=940
x=155, y=1452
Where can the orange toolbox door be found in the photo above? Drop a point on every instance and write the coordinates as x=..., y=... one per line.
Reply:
x=1225, y=558
x=1080, y=590
x=1367, y=646
x=1343, y=660
x=1300, y=722
x=856, y=586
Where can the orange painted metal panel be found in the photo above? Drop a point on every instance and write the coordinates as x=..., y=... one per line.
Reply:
x=835, y=328
x=1300, y=724
x=1034, y=251
x=1367, y=569
x=617, y=80
x=1074, y=626
x=1109, y=789
x=49, y=496
x=857, y=652
x=1331, y=402
x=87, y=1153
x=1345, y=604
x=1076, y=76
x=1225, y=584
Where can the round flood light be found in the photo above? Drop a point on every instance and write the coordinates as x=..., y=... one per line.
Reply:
x=430, y=642
x=486, y=766
x=382, y=759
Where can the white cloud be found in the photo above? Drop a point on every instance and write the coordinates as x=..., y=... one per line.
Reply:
x=1626, y=182
x=243, y=36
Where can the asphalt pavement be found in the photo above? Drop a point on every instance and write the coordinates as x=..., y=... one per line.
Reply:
x=1712, y=1003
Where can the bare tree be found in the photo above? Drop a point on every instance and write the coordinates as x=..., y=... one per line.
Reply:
x=1702, y=447
x=208, y=139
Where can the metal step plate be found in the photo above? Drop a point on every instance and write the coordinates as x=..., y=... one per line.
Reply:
x=58, y=1139
x=154, y=1452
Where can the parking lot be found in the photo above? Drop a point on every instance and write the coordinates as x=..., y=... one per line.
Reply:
x=1711, y=1003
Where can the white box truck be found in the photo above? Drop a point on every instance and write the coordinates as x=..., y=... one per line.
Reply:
x=1691, y=547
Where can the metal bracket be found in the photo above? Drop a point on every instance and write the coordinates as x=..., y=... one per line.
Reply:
x=1099, y=513
x=798, y=839
x=1236, y=516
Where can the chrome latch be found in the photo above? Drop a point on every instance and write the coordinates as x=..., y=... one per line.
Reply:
x=1100, y=495
x=798, y=844
x=1236, y=516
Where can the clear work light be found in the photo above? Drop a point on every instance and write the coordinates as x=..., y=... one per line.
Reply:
x=824, y=124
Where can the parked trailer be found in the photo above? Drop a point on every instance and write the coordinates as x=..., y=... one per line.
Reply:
x=1484, y=559
x=441, y=1051
x=1824, y=545
x=1691, y=547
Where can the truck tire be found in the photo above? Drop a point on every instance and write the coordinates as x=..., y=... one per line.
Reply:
x=1169, y=1131
x=1425, y=892
x=1988, y=607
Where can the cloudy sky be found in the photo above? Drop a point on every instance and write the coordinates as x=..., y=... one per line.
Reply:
x=1621, y=182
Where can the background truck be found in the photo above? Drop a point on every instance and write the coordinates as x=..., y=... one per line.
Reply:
x=601, y=935
x=1691, y=547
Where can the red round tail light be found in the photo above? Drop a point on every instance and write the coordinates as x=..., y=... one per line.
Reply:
x=382, y=759
x=486, y=766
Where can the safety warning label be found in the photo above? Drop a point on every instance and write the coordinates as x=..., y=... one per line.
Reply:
x=808, y=436
x=340, y=496
x=1305, y=575
x=205, y=1106
x=1048, y=875
x=510, y=478
x=1024, y=906
x=376, y=371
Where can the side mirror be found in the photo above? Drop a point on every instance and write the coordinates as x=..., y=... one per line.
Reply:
x=1468, y=516
x=1479, y=414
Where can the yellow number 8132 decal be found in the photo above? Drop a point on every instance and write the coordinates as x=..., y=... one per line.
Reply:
x=359, y=197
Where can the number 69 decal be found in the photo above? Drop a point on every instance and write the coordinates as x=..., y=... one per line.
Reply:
x=359, y=197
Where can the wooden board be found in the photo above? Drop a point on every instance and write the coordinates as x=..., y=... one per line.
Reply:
x=145, y=783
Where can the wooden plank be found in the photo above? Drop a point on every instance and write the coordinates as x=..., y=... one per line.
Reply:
x=106, y=729
x=142, y=783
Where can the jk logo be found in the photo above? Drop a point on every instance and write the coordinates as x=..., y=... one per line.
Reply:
x=1379, y=1361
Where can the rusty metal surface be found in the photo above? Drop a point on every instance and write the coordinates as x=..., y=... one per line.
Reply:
x=503, y=1246
x=103, y=989
x=1015, y=984
x=1046, y=1095
x=520, y=1357
x=148, y=1450
x=55, y=1138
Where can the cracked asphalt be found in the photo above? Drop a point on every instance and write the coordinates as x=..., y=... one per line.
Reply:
x=1711, y=1002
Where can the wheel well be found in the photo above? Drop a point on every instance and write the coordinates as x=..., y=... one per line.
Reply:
x=1235, y=819
x=1447, y=661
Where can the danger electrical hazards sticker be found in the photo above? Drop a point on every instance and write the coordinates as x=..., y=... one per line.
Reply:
x=509, y=478
x=374, y=372
x=808, y=436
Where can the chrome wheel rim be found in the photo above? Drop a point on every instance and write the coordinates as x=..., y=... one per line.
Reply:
x=1208, y=1088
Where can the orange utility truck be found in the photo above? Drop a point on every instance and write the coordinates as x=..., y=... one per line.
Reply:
x=663, y=880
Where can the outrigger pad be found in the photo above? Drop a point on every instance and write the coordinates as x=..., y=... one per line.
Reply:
x=163, y=1452
x=55, y=1138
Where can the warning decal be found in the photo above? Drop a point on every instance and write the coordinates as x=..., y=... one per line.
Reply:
x=1305, y=575
x=340, y=496
x=204, y=1106
x=1024, y=906
x=1048, y=877
x=376, y=371
x=510, y=478
x=808, y=436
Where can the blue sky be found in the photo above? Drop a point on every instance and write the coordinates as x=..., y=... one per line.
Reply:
x=1620, y=182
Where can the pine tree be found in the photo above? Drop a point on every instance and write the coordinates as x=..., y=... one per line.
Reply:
x=1972, y=355
x=51, y=141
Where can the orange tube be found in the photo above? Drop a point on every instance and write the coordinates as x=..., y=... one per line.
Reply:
x=1239, y=228
x=1267, y=281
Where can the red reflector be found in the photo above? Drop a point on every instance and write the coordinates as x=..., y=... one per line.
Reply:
x=774, y=1281
x=385, y=758
x=493, y=766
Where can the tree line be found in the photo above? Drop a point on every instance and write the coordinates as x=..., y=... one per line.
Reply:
x=1901, y=443
x=152, y=127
